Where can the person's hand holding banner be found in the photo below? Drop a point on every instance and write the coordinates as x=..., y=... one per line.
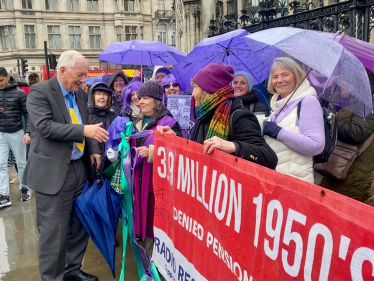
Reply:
x=219, y=144
x=166, y=130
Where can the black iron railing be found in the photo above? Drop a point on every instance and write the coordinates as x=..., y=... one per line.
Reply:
x=353, y=17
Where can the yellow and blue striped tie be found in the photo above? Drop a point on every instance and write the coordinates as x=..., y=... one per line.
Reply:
x=74, y=118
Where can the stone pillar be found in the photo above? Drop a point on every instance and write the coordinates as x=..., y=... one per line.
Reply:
x=65, y=44
x=41, y=34
x=17, y=4
x=208, y=9
x=179, y=18
x=20, y=37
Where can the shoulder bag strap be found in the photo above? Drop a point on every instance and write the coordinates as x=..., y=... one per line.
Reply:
x=366, y=144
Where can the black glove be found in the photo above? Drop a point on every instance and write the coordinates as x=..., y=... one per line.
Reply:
x=271, y=129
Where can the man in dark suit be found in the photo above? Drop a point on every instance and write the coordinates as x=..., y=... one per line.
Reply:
x=61, y=147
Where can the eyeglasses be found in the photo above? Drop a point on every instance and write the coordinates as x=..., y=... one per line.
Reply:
x=175, y=85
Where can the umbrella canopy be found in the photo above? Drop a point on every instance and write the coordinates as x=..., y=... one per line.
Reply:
x=339, y=72
x=141, y=52
x=230, y=48
x=92, y=80
x=89, y=219
x=364, y=51
x=99, y=210
x=107, y=205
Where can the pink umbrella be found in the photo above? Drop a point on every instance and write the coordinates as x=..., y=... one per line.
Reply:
x=364, y=51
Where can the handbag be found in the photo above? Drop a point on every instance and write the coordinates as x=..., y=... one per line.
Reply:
x=341, y=160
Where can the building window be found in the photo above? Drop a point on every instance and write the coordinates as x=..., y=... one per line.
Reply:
x=95, y=38
x=8, y=37
x=30, y=36
x=75, y=37
x=162, y=33
x=13, y=36
x=27, y=4
x=116, y=5
x=54, y=37
x=251, y=3
x=232, y=6
x=51, y=5
x=131, y=32
x=72, y=5
x=129, y=5
x=5, y=37
x=6, y=4
x=92, y=6
x=161, y=5
x=119, y=33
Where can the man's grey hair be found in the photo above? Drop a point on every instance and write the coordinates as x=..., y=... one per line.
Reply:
x=68, y=59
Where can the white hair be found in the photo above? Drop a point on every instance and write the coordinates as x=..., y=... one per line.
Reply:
x=68, y=59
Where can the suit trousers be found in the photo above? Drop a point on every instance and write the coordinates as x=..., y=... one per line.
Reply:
x=63, y=238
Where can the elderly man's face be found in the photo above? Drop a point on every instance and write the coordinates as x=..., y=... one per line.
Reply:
x=73, y=78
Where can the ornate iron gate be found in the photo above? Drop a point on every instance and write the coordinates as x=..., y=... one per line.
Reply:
x=355, y=17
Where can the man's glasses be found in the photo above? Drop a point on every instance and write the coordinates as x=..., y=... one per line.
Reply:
x=175, y=85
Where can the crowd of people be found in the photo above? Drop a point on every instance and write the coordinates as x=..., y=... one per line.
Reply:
x=68, y=130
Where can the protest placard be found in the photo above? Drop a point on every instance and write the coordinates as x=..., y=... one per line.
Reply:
x=219, y=217
x=180, y=108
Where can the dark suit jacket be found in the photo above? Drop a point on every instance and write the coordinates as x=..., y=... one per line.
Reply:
x=52, y=137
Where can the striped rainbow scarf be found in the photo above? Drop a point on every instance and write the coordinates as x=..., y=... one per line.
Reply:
x=219, y=126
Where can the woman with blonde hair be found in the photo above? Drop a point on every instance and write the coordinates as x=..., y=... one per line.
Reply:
x=294, y=136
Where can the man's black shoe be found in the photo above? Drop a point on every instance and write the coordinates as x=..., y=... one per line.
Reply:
x=82, y=276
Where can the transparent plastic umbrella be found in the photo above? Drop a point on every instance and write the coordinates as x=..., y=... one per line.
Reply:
x=337, y=75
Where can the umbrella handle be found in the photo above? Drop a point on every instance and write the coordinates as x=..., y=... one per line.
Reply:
x=97, y=174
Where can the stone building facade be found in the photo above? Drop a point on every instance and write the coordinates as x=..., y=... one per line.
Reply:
x=85, y=25
x=193, y=20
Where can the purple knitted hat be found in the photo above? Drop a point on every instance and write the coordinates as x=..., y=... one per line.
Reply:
x=151, y=89
x=214, y=77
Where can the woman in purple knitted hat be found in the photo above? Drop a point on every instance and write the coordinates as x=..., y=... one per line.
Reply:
x=216, y=110
x=152, y=114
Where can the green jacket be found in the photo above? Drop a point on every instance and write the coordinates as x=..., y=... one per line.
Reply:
x=353, y=129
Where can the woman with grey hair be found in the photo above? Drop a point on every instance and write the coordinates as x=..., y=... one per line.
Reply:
x=295, y=137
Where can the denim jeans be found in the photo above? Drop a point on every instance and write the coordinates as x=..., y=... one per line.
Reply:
x=14, y=142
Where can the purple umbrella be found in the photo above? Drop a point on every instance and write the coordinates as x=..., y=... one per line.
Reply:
x=230, y=48
x=141, y=52
x=362, y=50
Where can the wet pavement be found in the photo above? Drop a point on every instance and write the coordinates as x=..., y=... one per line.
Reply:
x=19, y=246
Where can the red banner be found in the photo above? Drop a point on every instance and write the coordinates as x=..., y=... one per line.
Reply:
x=219, y=217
